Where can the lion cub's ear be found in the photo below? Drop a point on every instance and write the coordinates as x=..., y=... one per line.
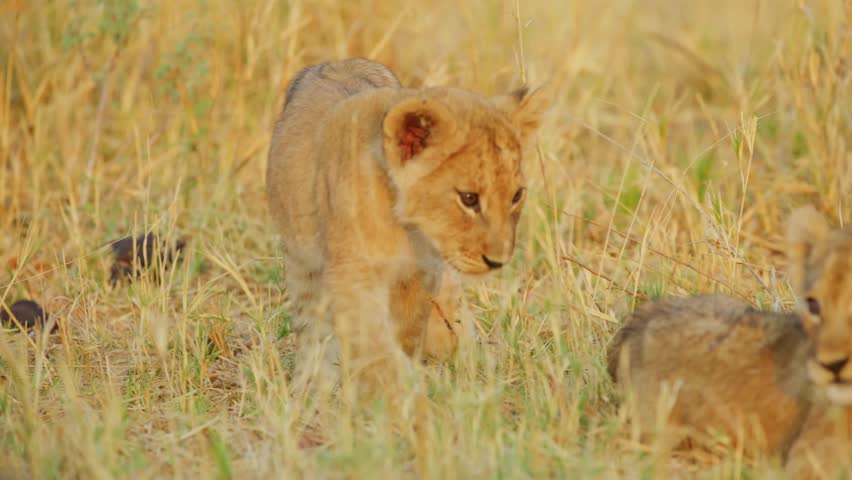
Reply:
x=525, y=108
x=805, y=228
x=416, y=125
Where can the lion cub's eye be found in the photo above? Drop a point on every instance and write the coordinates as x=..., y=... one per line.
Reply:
x=813, y=305
x=469, y=200
x=518, y=196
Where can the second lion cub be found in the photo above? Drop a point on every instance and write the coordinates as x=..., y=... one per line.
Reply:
x=782, y=382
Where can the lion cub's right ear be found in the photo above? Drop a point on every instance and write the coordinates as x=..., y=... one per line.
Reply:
x=805, y=228
x=416, y=131
x=526, y=108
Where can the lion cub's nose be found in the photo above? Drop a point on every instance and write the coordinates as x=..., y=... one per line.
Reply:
x=491, y=263
x=835, y=367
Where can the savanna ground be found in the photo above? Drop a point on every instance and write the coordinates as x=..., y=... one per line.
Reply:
x=682, y=135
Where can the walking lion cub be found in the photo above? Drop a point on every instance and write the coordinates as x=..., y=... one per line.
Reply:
x=383, y=194
x=779, y=382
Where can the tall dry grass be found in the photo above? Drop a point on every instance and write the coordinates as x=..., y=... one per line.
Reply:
x=682, y=135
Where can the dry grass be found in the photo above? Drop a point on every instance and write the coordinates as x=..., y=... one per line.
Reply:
x=683, y=134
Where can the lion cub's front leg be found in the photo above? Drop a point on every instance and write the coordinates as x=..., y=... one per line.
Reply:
x=426, y=311
x=371, y=358
x=410, y=308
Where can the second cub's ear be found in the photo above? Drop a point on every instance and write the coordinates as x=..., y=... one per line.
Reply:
x=805, y=228
x=416, y=127
x=526, y=108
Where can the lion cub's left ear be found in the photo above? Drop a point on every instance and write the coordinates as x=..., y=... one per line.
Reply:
x=525, y=108
x=805, y=228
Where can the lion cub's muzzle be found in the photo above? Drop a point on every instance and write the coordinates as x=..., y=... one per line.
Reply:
x=498, y=251
x=836, y=367
x=835, y=375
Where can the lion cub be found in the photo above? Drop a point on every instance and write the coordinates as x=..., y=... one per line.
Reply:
x=381, y=194
x=782, y=382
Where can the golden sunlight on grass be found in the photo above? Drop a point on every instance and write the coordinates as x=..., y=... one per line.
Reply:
x=682, y=135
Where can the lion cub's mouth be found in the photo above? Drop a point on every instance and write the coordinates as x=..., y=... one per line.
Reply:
x=467, y=267
x=471, y=272
x=839, y=393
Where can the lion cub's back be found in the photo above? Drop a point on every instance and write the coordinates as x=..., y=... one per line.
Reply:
x=674, y=328
x=726, y=360
x=327, y=83
x=312, y=93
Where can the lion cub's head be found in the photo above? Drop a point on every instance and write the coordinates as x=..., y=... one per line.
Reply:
x=456, y=161
x=821, y=273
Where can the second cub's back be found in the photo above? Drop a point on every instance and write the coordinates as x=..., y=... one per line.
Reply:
x=726, y=364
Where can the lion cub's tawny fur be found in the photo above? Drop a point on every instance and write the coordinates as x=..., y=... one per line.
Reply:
x=782, y=383
x=381, y=194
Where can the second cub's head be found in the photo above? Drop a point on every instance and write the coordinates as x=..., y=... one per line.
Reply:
x=456, y=160
x=821, y=273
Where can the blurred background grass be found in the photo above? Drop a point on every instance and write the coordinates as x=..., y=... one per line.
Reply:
x=683, y=134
